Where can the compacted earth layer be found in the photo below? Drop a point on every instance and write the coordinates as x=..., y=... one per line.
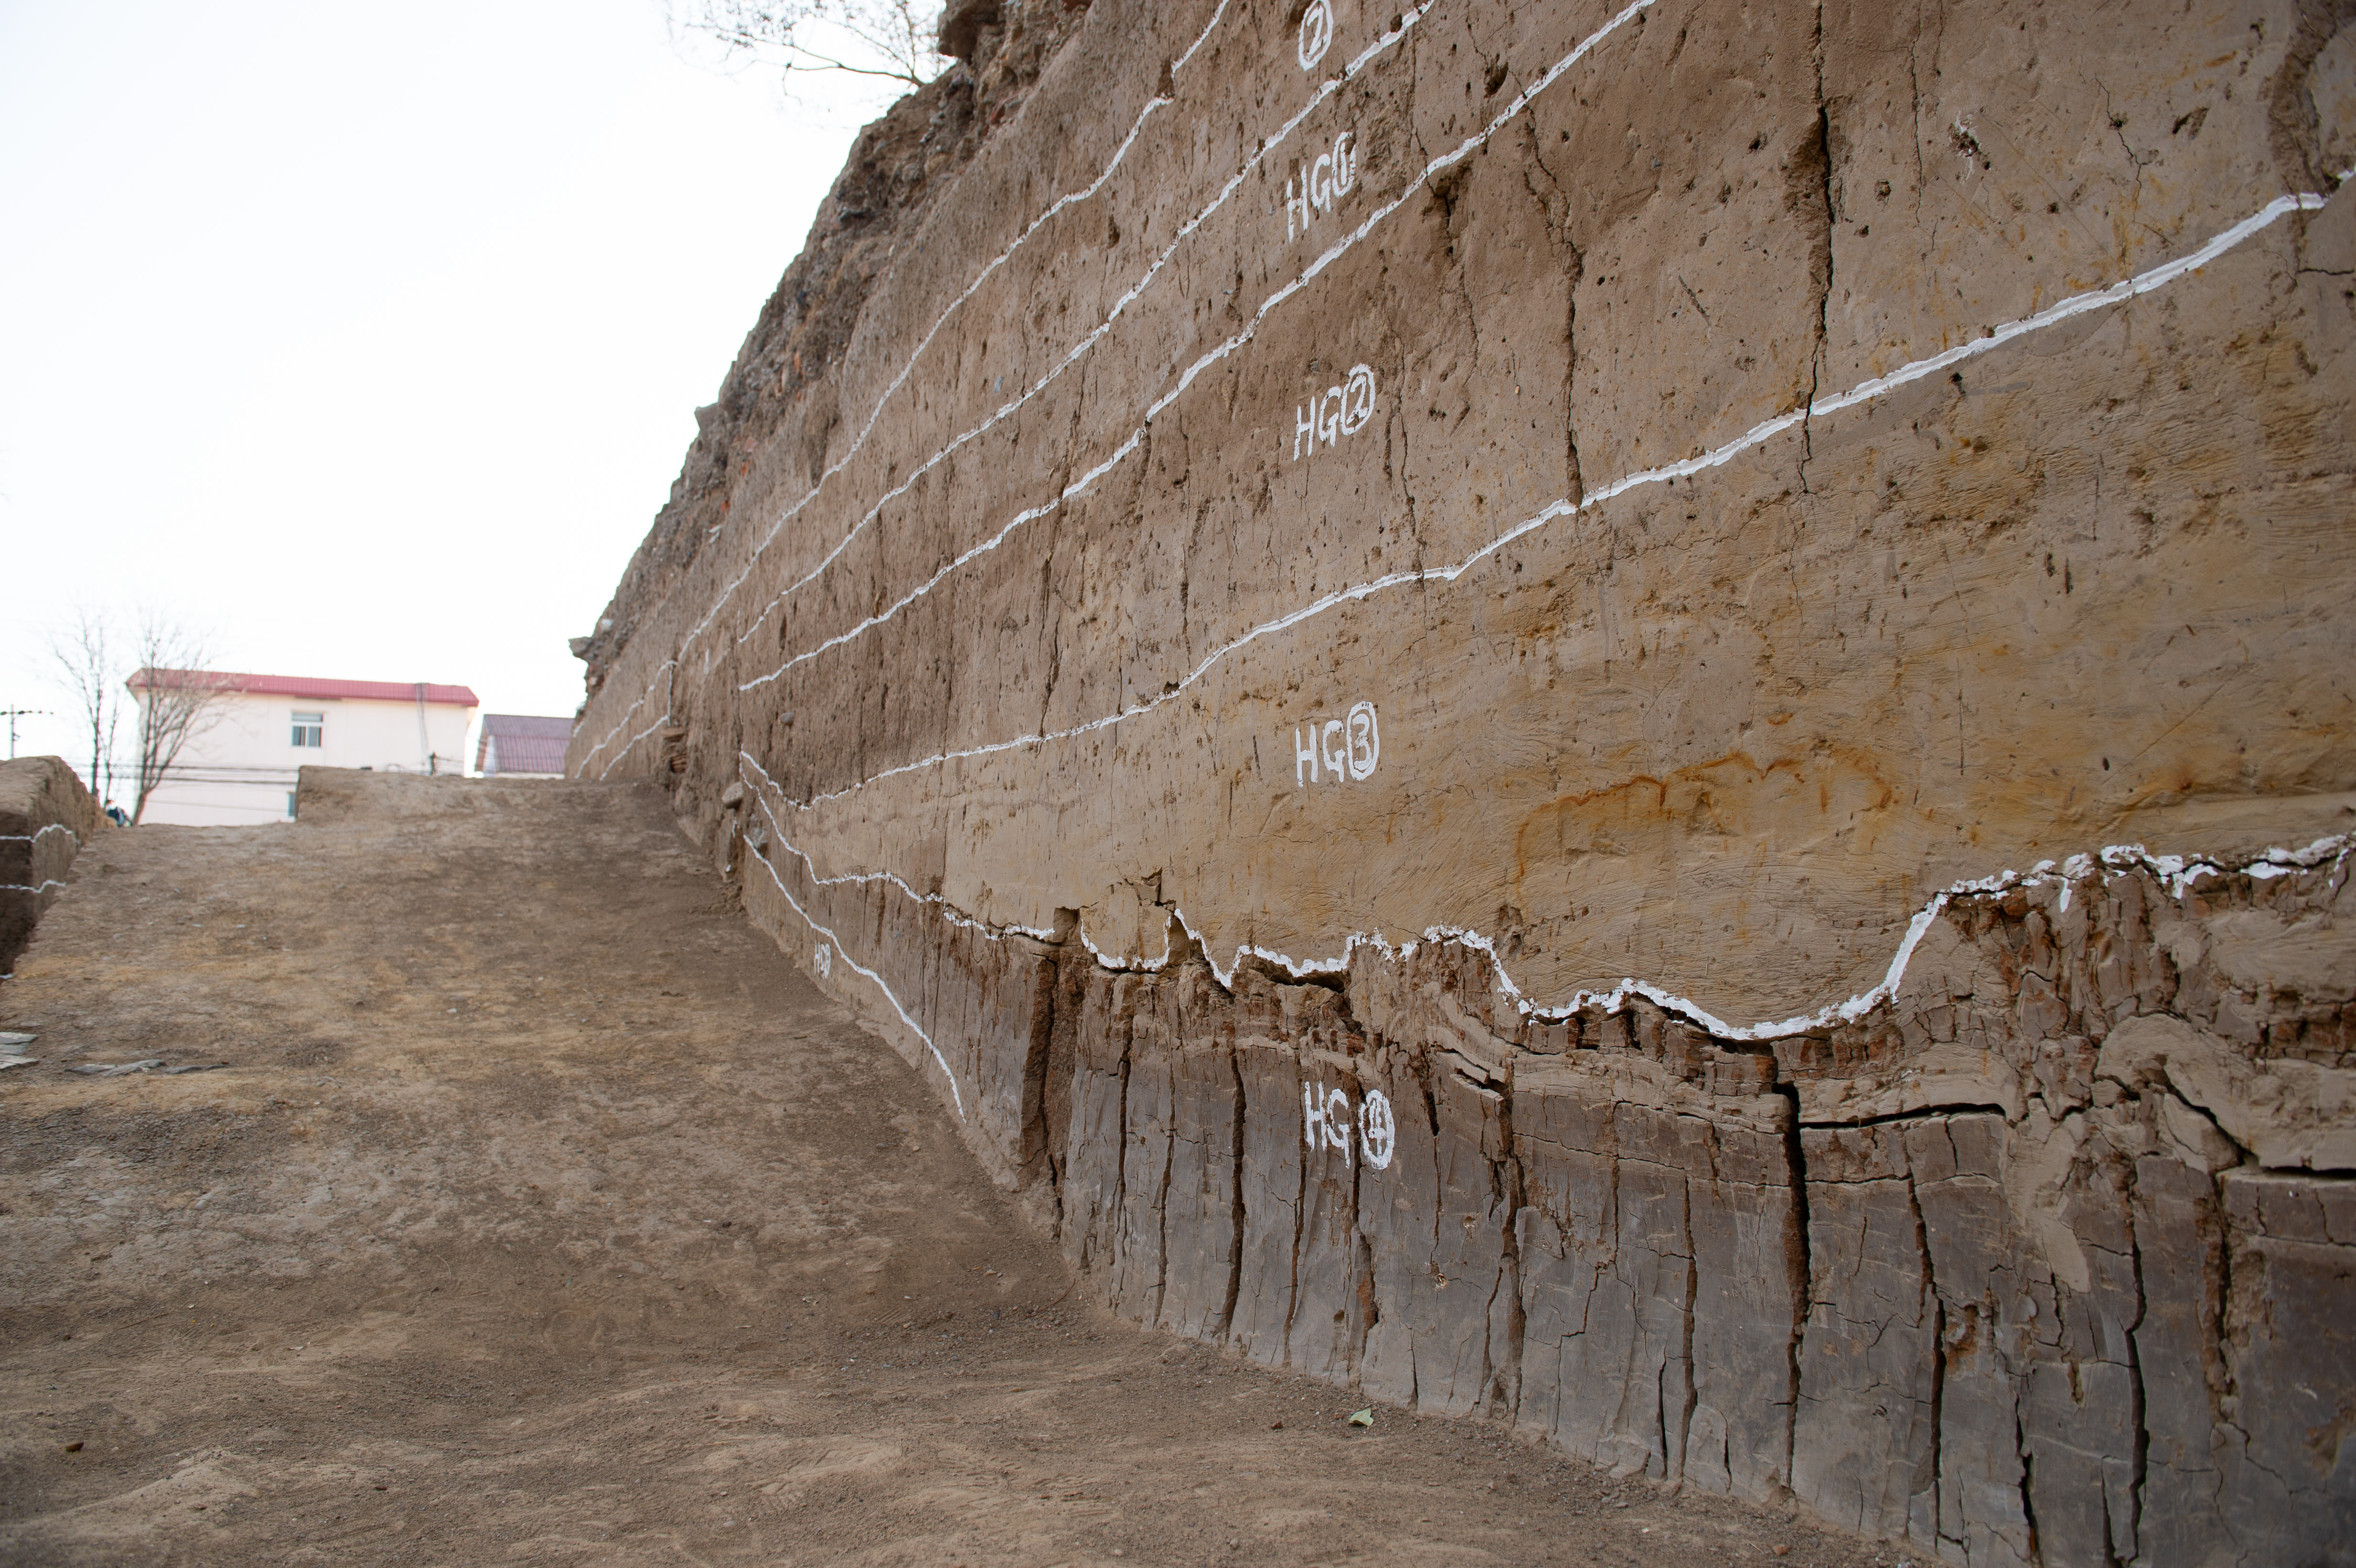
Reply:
x=531, y=1207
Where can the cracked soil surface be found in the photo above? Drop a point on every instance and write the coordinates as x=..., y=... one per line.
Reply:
x=542, y=1213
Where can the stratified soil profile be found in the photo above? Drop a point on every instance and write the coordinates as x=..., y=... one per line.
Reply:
x=1628, y=717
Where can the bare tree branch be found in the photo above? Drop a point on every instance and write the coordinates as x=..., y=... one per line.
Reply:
x=899, y=37
x=85, y=657
x=180, y=700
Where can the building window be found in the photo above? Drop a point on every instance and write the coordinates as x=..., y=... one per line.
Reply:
x=290, y=806
x=310, y=729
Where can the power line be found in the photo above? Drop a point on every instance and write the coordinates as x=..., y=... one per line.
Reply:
x=16, y=713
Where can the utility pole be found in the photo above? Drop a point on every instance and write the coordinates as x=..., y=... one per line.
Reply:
x=13, y=714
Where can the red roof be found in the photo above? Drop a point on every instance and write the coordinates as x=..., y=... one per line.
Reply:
x=311, y=686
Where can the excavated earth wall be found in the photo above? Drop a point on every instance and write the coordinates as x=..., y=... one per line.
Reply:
x=46, y=816
x=1635, y=719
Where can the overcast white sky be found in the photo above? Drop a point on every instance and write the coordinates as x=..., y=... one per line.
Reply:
x=368, y=336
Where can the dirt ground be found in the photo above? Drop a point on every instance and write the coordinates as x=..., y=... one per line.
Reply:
x=540, y=1212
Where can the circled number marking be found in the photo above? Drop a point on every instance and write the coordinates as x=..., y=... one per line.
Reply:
x=1316, y=33
x=1339, y=749
x=1328, y=1124
x=1334, y=414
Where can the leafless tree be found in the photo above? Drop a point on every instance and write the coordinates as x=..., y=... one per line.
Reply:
x=85, y=654
x=180, y=700
x=890, y=38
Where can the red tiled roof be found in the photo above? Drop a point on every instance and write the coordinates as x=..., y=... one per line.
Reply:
x=524, y=743
x=311, y=686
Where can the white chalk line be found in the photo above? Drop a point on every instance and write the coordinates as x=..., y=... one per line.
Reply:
x=1058, y=205
x=1072, y=357
x=2078, y=304
x=1080, y=486
x=31, y=840
x=632, y=744
x=2179, y=873
x=44, y=833
x=859, y=441
x=1136, y=437
x=1326, y=89
x=949, y=912
x=661, y=670
x=811, y=921
x=668, y=668
x=1068, y=198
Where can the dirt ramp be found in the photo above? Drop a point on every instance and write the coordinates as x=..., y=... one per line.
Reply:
x=1634, y=716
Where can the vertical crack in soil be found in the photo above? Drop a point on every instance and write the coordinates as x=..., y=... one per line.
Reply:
x=1119, y=1206
x=2135, y=1394
x=1816, y=157
x=1037, y=1140
x=1938, y=1352
x=1227, y=1323
x=1507, y=1396
x=1799, y=1267
x=1674, y=1459
x=1300, y=1223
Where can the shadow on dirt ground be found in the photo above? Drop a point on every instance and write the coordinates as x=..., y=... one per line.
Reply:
x=531, y=1207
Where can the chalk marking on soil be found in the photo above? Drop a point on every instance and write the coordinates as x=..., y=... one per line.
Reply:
x=1082, y=484
x=809, y=919
x=636, y=738
x=949, y=911
x=44, y=833
x=1136, y=438
x=1361, y=748
x=1757, y=435
x=660, y=670
x=2179, y=872
x=1068, y=198
x=1079, y=350
x=2141, y=283
x=1316, y=34
x=668, y=668
x=899, y=380
x=1234, y=183
x=28, y=888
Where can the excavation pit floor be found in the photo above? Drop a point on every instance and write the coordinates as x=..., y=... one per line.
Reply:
x=539, y=1210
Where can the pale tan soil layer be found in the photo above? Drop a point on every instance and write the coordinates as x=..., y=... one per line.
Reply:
x=544, y=1213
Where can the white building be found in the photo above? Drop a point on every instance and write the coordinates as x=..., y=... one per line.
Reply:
x=240, y=768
